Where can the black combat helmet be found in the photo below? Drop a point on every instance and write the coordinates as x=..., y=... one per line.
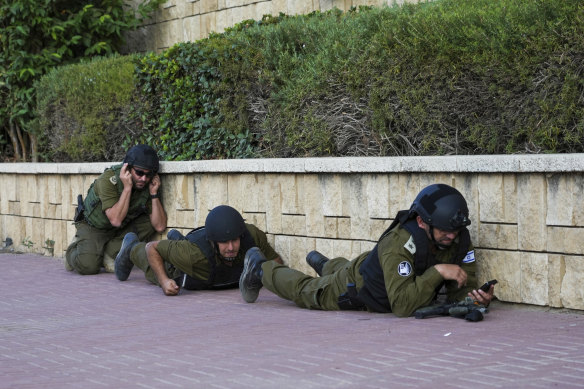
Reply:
x=143, y=156
x=224, y=223
x=441, y=206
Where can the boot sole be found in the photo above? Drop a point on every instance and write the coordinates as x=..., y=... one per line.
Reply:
x=249, y=295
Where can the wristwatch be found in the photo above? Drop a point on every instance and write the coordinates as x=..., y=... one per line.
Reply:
x=155, y=196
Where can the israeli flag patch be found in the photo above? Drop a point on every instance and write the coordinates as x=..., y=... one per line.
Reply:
x=404, y=269
x=469, y=257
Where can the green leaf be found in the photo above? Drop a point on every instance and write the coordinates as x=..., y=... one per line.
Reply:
x=25, y=71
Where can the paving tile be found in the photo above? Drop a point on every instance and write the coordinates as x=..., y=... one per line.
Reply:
x=62, y=330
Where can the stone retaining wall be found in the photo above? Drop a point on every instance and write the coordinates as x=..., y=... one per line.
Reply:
x=527, y=211
x=191, y=20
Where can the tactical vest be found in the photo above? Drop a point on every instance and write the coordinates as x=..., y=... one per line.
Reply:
x=374, y=293
x=220, y=275
x=95, y=215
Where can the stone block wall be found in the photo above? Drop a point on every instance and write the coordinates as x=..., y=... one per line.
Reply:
x=190, y=20
x=527, y=211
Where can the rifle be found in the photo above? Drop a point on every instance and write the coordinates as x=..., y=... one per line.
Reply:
x=467, y=309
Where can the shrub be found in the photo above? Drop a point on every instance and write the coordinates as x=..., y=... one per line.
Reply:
x=83, y=109
x=38, y=35
x=179, y=104
x=484, y=78
x=443, y=77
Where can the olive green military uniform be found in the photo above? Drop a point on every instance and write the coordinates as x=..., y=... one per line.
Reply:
x=95, y=236
x=186, y=257
x=406, y=291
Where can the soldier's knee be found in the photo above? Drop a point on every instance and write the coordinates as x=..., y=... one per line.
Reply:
x=84, y=265
x=87, y=268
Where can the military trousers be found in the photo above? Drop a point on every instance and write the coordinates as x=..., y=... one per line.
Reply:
x=85, y=254
x=306, y=291
x=139, y=258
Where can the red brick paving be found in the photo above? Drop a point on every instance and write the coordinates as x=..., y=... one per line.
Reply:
x=62, y=330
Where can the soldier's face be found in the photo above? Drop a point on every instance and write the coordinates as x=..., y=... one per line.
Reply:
x=444, y=238
x=229, y=249
x=141, y=177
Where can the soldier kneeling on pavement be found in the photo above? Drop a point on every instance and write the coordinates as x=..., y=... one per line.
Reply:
x=209, y=257
x=425, y=248
x=123, y=198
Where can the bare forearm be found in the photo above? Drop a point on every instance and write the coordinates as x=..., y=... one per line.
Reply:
x=156, y=262
x=158, y=216
x=118, y=212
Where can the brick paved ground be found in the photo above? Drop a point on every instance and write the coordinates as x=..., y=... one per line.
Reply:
x=62, y=330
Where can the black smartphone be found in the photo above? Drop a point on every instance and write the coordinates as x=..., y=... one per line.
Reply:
x=487, y=285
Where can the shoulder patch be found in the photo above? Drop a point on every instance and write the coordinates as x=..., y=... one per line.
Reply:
x=404, y=269
x=469, y=257
x=114, y=180
x=410, y=245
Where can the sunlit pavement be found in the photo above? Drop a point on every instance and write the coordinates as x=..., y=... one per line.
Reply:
x=62, y=330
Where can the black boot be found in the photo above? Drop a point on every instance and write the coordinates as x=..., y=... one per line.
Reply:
x=250, y=281
x=316, y=261
x=123, y=264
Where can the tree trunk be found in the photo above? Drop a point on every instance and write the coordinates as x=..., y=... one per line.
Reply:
x=15, y=143
x=34, y=152
x=23, y=143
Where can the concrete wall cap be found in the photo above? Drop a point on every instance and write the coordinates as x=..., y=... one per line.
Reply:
x=528, y=163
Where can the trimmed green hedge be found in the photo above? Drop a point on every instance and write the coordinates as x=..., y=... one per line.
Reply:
x=445, y=77
x=180, y=102
x=84, y=109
